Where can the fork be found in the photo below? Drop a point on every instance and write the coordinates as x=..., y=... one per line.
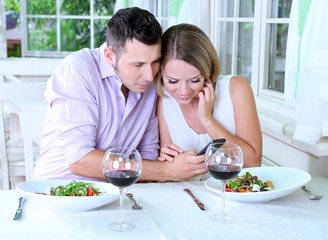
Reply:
x=135, y=206
x=311, y=195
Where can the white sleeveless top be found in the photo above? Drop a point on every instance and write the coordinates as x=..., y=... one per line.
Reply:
x=184, y=136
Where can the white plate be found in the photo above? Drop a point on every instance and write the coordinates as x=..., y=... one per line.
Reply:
x=65, y=203
x=285, y=181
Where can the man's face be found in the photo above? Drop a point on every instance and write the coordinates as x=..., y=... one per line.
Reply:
x=138, y=65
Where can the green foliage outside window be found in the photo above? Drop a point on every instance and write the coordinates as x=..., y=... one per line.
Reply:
x=12, y=5
x=77, y=7
x=74, y=32
x=42, y=34
x=100, y=32
x=104, y=8
x=41, y=7
x=42, y=31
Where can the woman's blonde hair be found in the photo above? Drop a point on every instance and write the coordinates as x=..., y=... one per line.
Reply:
x=188, y=43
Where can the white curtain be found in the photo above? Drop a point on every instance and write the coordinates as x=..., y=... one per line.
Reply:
x=306, y=82
x=195, y=12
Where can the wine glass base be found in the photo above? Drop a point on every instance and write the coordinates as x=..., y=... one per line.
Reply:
x=121, y=227
x=223, y=218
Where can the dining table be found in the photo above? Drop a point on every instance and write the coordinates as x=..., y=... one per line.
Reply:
x=170, y=213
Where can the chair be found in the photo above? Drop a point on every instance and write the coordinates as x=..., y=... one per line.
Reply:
x=20, y=70
x=31, y=124
x=27, y=101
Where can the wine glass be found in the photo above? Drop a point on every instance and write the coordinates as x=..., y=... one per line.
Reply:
x=122, y=168
x=224, y=163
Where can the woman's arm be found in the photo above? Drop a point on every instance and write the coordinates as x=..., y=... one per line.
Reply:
x=168, y=149
x=248, y=130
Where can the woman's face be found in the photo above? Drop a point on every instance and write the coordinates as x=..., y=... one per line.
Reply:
x=182, y=81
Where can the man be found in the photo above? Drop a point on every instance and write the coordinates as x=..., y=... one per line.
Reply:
x=102, y=98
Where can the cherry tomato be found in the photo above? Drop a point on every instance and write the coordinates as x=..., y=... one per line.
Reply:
x=90, y=192
x=230, y=190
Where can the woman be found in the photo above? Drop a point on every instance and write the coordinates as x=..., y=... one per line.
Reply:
x=197, y=105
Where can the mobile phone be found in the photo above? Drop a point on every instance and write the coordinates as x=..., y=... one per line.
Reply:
x=219, y=143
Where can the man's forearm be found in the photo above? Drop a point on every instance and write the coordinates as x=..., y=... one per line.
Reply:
x=90, y=165
x=153, y=171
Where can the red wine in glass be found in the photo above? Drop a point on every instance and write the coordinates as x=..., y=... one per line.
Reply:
x=223, y=171
x=122, y=167
x=122, y=178
x=224, y=163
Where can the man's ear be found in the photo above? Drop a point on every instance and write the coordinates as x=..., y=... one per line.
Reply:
x=110, y=55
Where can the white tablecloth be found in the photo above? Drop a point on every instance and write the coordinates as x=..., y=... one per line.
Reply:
x=169, y=213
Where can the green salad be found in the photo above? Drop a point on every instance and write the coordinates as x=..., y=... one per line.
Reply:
x=248, y=183
x=74, y=188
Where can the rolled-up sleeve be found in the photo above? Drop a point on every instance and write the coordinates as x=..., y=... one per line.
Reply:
x=74, y=110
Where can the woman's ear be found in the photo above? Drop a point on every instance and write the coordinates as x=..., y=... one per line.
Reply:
x=109, y=55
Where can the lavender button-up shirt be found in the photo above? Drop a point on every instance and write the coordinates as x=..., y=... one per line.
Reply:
x=87, y=111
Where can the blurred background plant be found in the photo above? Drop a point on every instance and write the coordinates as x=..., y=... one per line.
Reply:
x=12, y=8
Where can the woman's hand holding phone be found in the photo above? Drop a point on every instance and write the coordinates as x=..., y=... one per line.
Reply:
x=169, y=151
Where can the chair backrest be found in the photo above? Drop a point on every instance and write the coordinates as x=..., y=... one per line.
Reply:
x=31, y=124
x=26, y=67
x=15, y=95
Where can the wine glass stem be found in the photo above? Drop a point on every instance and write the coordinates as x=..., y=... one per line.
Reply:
x=121, y=221
x=223, y=199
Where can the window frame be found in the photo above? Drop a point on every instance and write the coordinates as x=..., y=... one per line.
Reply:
x=215, y=36
x=260, y=53
x=264, y=51
x=91, y=17
x=266, y=98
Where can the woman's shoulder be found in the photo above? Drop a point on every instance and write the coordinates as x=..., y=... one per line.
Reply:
x=238, y=82
x=240, y=89
x=230, y=85
x=233, y=81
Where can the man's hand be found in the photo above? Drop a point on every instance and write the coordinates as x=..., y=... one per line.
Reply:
x=185, y=165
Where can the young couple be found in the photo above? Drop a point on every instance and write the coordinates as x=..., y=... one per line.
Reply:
x=105, y=97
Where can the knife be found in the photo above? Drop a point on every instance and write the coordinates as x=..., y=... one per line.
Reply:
x=199, y=203
x=19, y=209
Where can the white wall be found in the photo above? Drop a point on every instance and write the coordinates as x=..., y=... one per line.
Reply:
x=281, y=149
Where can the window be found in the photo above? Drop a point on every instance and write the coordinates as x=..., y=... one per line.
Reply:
x=250, y=37
x=274, y=31
x=235, y=31
x=54, y=28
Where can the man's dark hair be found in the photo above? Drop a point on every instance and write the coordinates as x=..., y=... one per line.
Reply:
x=132, y=23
